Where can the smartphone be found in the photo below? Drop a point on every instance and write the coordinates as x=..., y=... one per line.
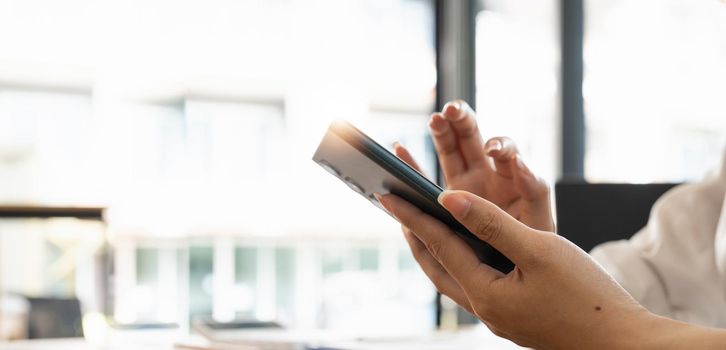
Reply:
x=368, y=168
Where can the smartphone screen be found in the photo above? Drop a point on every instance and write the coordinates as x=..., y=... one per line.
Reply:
x=368, y=168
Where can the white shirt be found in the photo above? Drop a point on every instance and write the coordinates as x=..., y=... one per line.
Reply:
x=676, y=265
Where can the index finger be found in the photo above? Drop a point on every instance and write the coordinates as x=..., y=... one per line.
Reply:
x=463, y=122
x=447, y=146
x=449, y=250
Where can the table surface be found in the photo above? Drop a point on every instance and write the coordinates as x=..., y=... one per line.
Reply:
x=474, y=338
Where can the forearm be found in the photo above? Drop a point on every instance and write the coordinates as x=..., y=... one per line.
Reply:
x=645, y=330
x=663, y=333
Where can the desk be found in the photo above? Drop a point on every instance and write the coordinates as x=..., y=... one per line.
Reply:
x=472, y=338
x=112, y=340
x=73, y=344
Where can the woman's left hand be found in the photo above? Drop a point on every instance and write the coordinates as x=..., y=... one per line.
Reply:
x=557, y=297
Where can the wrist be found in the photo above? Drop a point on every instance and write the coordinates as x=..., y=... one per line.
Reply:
x=630, y=327
x=624, y=327
x=653, y=332
x=635, y=330
x=657, y=332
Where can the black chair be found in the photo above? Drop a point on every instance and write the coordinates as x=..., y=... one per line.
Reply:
x=590, y=214
x=54, y=318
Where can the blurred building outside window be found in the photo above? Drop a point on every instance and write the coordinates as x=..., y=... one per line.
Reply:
x=654, y=80
x=654, y=89
x=517, y=78
x=199, y=141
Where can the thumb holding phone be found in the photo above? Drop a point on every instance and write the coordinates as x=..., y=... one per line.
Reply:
x=556, y=296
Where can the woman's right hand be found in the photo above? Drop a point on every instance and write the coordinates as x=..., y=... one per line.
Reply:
x=493, y=170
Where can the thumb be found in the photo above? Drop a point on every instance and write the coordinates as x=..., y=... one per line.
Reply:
x=490, y=224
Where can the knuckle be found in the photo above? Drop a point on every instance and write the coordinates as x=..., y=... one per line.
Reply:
x=488, y=227
x=534, y=261
x=414, y=219
x=469, y=130
x=419, y=253
x=448, y=148
x=541, y=188
x=546, y=248
x=435, y=248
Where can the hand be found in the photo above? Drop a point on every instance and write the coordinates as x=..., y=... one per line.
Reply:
x=494, y=170
x=557, y=297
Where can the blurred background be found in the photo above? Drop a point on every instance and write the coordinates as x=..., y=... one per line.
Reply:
x=155, y=156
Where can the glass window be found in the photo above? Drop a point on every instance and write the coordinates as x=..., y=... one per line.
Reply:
x=245, y=259
x=285, y=286
x=44, y=153
x=201, y=147
x=245, y=271
x=201, y=267
x=147, y=265
x=368, y=258
x=517, y=77
x=654, y=89
x=333, y=259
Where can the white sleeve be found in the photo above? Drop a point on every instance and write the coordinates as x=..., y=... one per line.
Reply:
x=670, y=266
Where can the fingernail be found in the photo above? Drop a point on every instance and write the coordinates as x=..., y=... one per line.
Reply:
x=381, y=200
x=396, y=144
x=437, y=122
x=455, y=202
x=454, y=104
x=457, y=114
x=495, y=145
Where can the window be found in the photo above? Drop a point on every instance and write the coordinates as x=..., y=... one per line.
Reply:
x=654, y=89
x=44, y=133
x=201, y=149
x=517, y=84
x=245, y=282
